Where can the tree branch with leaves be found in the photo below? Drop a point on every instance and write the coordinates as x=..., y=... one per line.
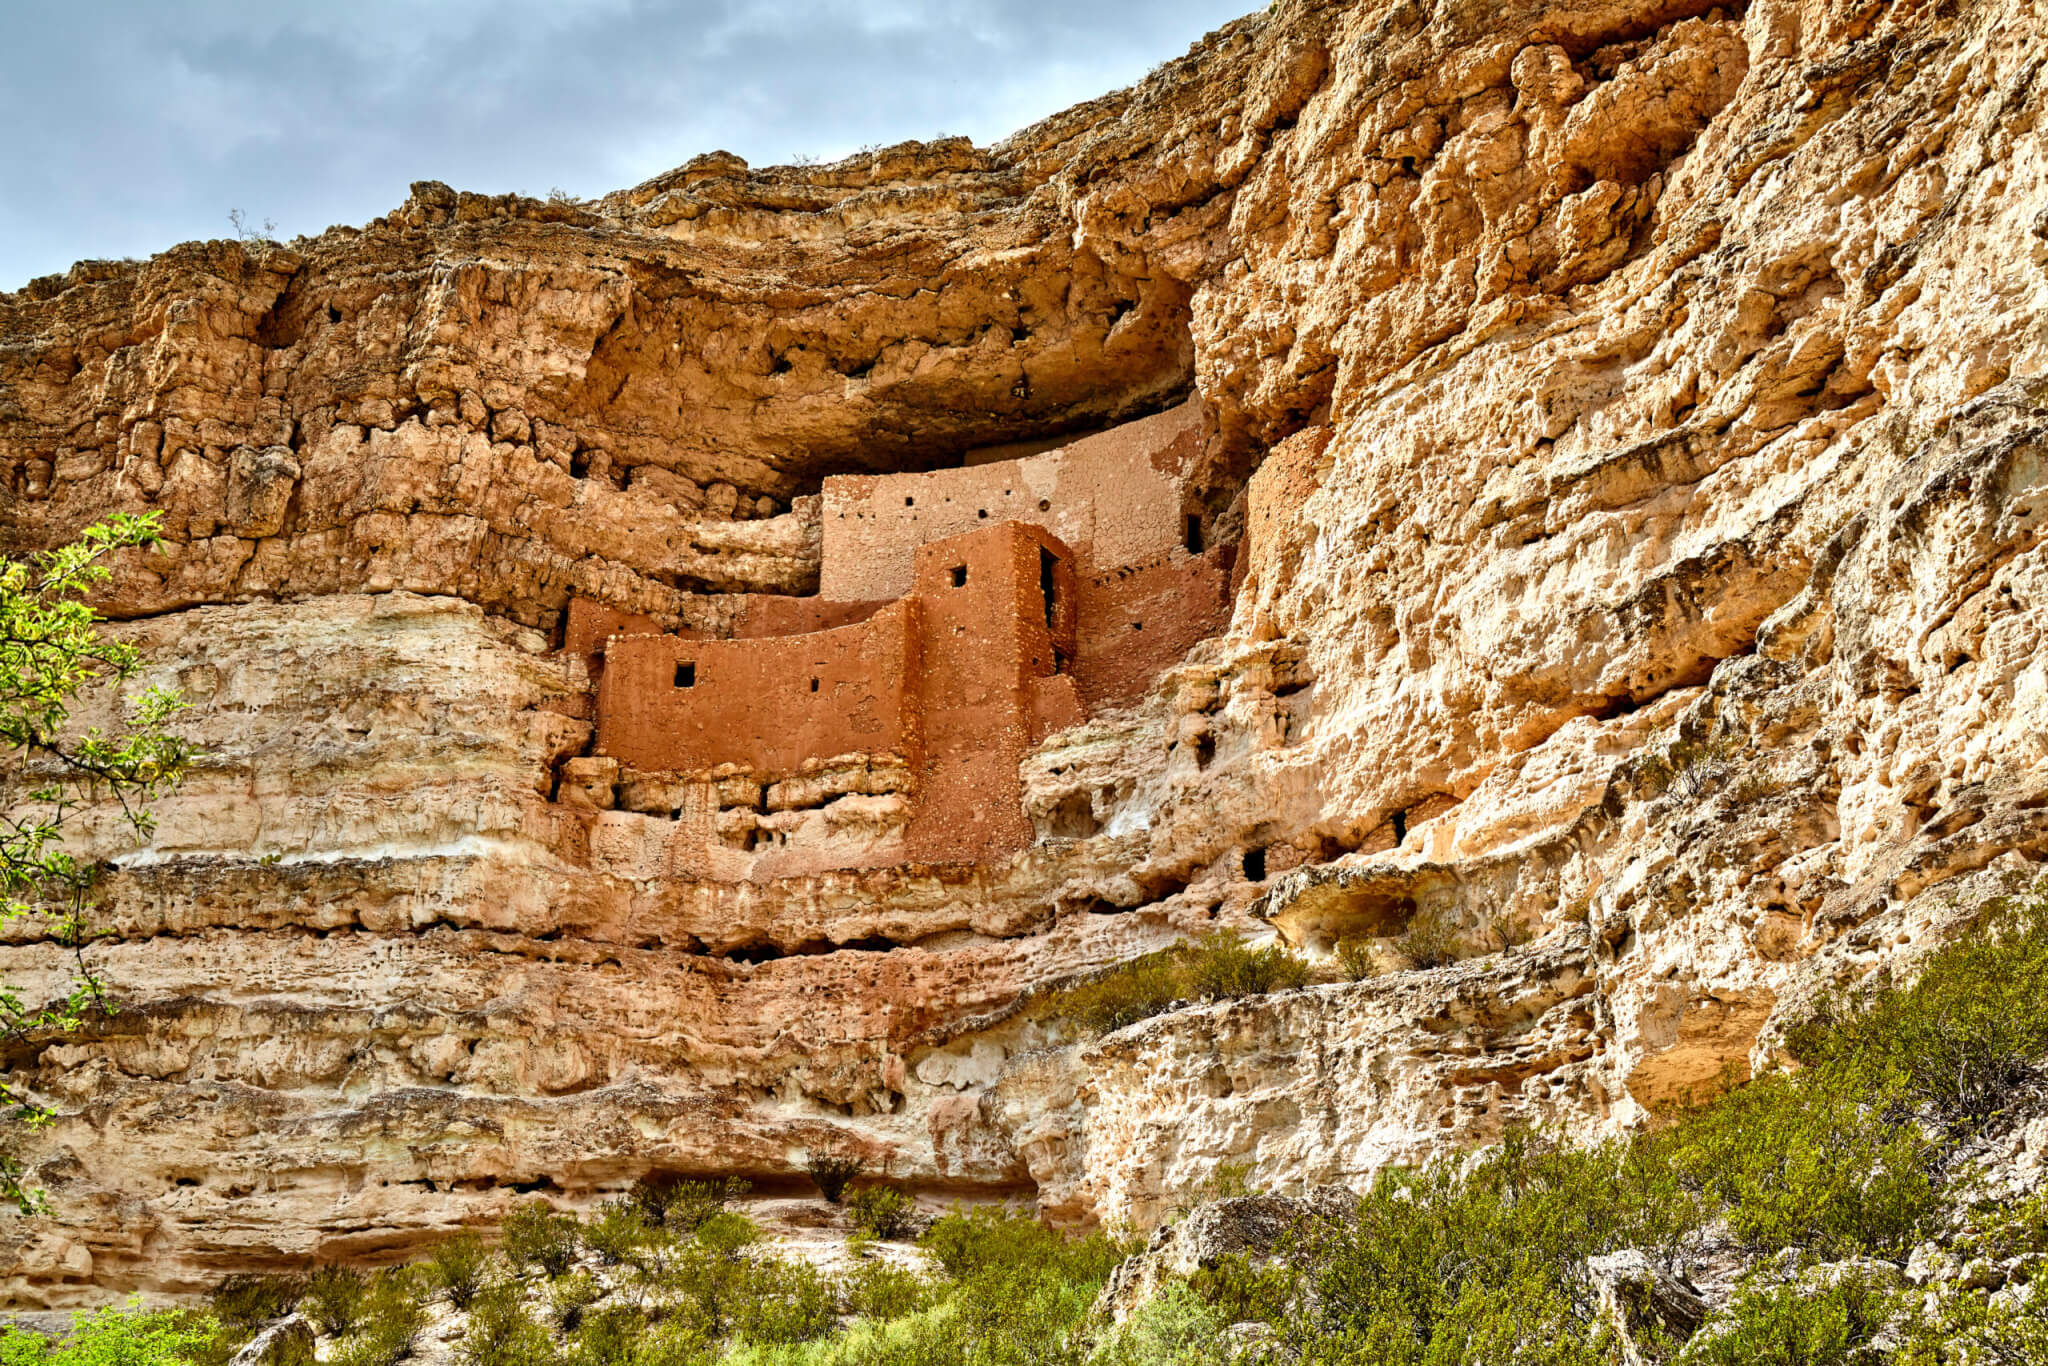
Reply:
x=52, y=655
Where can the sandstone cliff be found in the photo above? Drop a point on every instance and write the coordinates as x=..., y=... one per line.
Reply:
x=1630, y=419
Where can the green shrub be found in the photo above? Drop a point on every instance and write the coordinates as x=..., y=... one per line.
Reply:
x=537, y=1236
x=1130, y=992
x=249, y=1302
x=458, y=1267
x=1956, y=1043
x=126, y=1336
x=619, y=1227
x=880, y=1290
x=1430, y=940
x=1357, y=960
x=334, y=1298
x=609, y=1337
x=780, y=1303
x=1793, y=1325
x=1218, y=967
x=1807, y=1161
x=388, y=1324
x=502, y=1333
x=569, y=1296
x=1019, y=1292
x=882, y=1211
x=1173, y=1328
x=1222, y=967
x=726, y=1232
x=672, y=1203
x=832, y=1172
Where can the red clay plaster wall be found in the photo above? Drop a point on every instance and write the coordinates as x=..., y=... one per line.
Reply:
x=591, y=624
x=1114, y=499
x=1137, y=622
x=753, y=703
x=986, y=644
x=765, y=614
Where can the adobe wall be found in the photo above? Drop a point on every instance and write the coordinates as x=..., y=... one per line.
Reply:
x=766, y=705
x=768, y=614
x=1113, y=499
x=1137, y=621
x=990, y=660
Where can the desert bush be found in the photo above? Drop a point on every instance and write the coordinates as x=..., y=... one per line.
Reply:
x=537, y=1236
x=783, y=1303
x=832, y=1172
x=1218, y=967
x=502, y=1333
x=245, y=1301
x=1957, y=1042
x=1017, y=1291
x=609, y=1337
x=125, y=1336
x=458, y=1267
x=569, y=1296
x=388, y=1322
x=882, y=1211
x=1356, y=959
x=1130, y=992
x=618, y=1228
x=1430, y=940
x=1806, y=1161
x=726, y=1233
x=1173, y=1328
x=1506, y=931
x=334, y=1298
x=1222, y=967
x=880, y=1290
x=673, y=1203
x=1794, y=1325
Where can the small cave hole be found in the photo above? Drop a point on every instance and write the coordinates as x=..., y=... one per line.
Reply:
x=1194, y=539
x=1255, y=865
x=959, y=576
x=333, y=314
x=1045, y=505
x=1205, y=751
x=910, y=502
x=1400, y=827
x=983, y=513
x=1137, y=626
x=686, y=675
x=187, y=1181
x=814, y=685
x=579, y=465
x=755, y=953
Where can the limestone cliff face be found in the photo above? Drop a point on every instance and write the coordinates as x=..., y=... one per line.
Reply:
x=1631, y=421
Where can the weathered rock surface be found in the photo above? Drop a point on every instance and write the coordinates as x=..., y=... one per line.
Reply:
x=1633, y=420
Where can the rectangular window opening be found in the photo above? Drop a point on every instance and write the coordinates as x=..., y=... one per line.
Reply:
x=1048, y=584
x=814, y=685
x=959, y=576
x=686, y=675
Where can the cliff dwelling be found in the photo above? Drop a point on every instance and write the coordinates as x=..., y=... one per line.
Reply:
x=963, y=616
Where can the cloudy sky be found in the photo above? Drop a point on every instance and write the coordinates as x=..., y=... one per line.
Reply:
x=134, y=124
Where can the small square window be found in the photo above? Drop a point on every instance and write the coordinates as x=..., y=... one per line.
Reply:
x=686, y=675
x=814, y=685
x=959, y=576
x=910, y=502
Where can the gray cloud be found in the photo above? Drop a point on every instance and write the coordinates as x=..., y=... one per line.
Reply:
x=134, y=124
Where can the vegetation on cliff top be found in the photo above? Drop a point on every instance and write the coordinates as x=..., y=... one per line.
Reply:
x=1802, y=1196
